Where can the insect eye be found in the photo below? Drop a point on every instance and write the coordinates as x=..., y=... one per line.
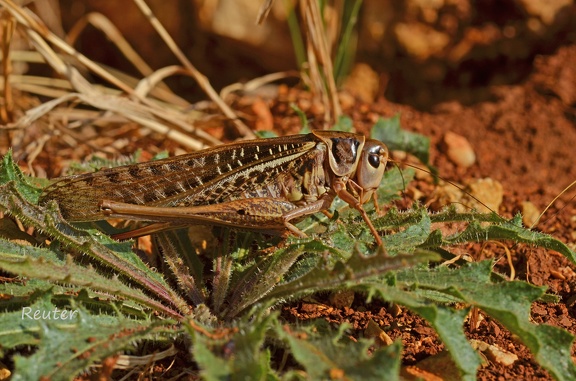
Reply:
x=374, y=160
x=371, y=168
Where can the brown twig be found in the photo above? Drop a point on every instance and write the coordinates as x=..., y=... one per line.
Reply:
x=244, y=130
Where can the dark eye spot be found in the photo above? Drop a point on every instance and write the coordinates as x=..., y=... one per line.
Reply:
x=155, y=169
x=374, y=160
x=134, y=172
x=173, y=167
x=114, y=177
x=149, y=197
x=172, y=189
x=239, y=181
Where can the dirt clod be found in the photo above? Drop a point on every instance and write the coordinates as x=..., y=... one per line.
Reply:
x=459, y=150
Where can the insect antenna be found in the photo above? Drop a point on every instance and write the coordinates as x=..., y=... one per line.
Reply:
x=552, y=203
x=457, y=186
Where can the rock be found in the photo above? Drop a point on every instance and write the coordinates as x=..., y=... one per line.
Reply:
x=420, y=40
x=459, y=150
x=487, y=190
x=530, y=214
x=363, y=82
x=373, y=330
x=439, y=367
x=342, y=298
x=347, y=100
x=545, y=10
x=494, y=353
x=490, y=192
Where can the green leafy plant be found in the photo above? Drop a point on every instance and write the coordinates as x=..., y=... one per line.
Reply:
x=222, y=305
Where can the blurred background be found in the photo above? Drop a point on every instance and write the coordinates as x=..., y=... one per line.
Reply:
x=418, y=52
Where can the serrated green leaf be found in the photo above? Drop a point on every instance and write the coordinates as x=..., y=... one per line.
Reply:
x=414, y=235
x=396, y=220
x=482, y=227
x=9, y=247
x=447, y=322
x=238, y=356
x=258, y=280
x=180, y=257
x=507, y=302
x=9, y=171
x=356, y=270
x=331, y=355
x=118, y=257
x=66, y=347
x=38, y=267
x=16, y=329
x=510, y=230
x=357, y=236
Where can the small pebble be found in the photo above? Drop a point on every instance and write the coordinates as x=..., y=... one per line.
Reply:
x=530, y=213
x=459, y=150
x=494, y=353
x=347, y=100
x=342, y=298
x=373, y=330
x=487, y=190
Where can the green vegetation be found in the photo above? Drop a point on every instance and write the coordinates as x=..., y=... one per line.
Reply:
x=223, y=305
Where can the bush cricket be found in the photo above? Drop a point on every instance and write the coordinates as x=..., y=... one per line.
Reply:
x=260, y=185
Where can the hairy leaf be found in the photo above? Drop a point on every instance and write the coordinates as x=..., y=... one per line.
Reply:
x=68, y=346
x=9, y=171
x=328, y=355
x=38, y=267
x=507, y=302
x=237, y=354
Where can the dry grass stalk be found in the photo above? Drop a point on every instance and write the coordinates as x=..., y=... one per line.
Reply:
x=320, y=61
x=172, y=120
x=199, y=77
x=104, y=24
x=7, y=26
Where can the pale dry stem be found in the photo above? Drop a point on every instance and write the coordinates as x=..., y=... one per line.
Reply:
x=199, y=77
x=320, y=61
x=165, y=113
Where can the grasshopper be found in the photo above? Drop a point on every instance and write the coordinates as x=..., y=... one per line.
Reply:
x=260, y=185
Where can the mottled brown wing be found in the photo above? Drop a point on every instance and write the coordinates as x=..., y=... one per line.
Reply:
x=203, y=177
